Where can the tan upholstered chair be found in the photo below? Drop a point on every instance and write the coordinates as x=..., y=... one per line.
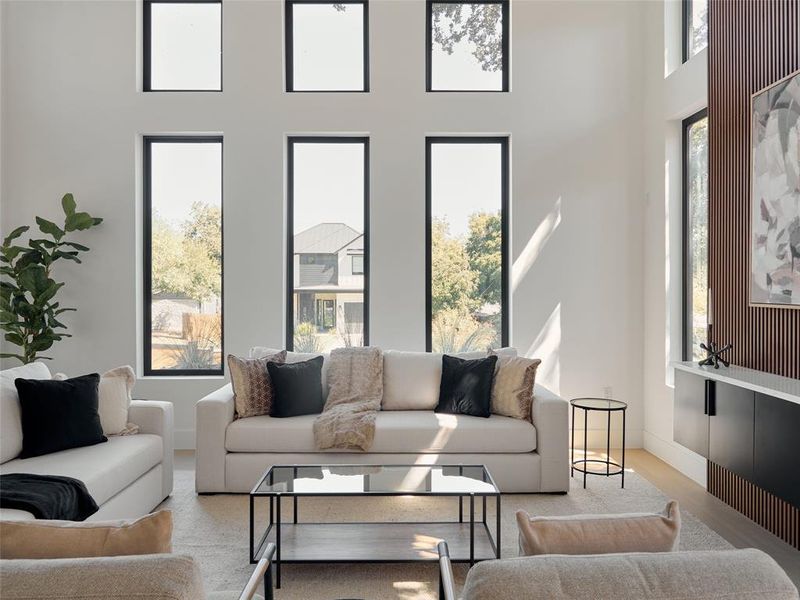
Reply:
x=154, y=576
x=729, y=574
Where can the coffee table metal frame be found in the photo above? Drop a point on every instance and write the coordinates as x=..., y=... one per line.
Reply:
x=257, y=548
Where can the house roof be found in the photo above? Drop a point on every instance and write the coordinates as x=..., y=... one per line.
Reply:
x=325, y=238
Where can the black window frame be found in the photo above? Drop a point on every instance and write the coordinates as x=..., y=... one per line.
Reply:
x=322, y=139
x=289, y=48
x=687, y=350
x=505, y=205
x=505, y=8
x=147, y=39
x=147, y=213
x=686, y=26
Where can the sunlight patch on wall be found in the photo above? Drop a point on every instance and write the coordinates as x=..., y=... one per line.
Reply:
x=535, y=245
x=547, y=345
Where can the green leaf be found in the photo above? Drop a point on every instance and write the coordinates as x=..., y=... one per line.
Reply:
x=15, y=234
x=96, y=220
x=44, y=242
x=7, y=317
x=41, y=343
x=68, y=204
x=15, y=339
x=80, y=247
x=79, y=221
x=34, y=279
x=31, y=257
x=11, y=252
x=49, y=228
x=45, y=296
x=67, y=255
x=63, y=310
x=53, y=322
x=17, y=356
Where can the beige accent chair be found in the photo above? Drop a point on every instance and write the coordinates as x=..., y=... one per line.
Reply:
x=151, y=576
x=728, y=574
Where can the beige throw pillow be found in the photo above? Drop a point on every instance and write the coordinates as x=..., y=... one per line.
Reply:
x=600, y=534
x=252, y=387
x=151, y=534
x=512, y=389
x=114, y=400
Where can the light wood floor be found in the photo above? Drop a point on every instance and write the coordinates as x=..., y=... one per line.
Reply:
x=740, y=531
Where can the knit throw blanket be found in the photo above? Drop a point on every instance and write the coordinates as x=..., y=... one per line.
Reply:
x=355, y=383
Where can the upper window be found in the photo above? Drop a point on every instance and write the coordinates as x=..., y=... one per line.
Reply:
x=327, y=46
x=357, y=264
x=183, y=256
x=328, y=240
x=467, y=45
x=695, y=235
x=695, y=27
x=467, y=238
x=182, y=45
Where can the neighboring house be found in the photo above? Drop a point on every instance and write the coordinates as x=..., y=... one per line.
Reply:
x=329, y=278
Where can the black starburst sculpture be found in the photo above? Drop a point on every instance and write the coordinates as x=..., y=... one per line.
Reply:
x=714, y=358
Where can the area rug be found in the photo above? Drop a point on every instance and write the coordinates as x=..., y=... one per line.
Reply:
x=214, y=530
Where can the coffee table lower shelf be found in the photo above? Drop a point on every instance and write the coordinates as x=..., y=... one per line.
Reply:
x=379, y=542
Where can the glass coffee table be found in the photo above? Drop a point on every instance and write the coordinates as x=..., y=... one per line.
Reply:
x=470, y=539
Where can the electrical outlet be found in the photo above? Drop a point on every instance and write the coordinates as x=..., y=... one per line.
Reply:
x=608, y=392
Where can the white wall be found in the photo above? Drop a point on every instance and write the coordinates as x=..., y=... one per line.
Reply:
x=673, y=91
x=72, y=117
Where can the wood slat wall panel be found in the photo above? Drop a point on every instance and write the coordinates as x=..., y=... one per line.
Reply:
x=769, y=511
x=752, y=43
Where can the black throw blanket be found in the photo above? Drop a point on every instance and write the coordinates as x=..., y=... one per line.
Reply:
x=47, y=496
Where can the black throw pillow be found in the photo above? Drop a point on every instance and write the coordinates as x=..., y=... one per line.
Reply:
x=466, y=387
x=298, y=388
x=57, y=415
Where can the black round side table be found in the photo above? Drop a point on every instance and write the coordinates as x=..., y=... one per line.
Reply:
x=601, y=405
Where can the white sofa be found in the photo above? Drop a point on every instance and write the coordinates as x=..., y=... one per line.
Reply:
x=127, y=476
x=522, y=456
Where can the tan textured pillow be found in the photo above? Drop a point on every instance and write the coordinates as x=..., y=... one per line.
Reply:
x=600, y=534
x=151, y=534
x=512, y=389
x=252, y=388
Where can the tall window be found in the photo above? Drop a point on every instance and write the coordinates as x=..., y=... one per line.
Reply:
x=183, y=256
x=327, y=46
x=695, y=27
x=467, y=45
x=328, y=243
x=695, y=233
x=467, y=243
x=182, y=45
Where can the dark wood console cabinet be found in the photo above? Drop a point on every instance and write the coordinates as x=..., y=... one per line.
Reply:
x=777, y=446
x=751, y=434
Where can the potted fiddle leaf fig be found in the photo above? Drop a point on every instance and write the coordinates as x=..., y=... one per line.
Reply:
x=29, y=311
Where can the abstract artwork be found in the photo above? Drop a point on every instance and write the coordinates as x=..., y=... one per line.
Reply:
x=775, y=200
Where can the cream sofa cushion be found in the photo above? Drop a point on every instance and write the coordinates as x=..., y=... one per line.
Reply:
x=395, y=432
x=151, y=534
x=106, y=469
x=600, y=534
x=728, y=574
x=150, y=576
x=411, y=380
x=10, y=422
